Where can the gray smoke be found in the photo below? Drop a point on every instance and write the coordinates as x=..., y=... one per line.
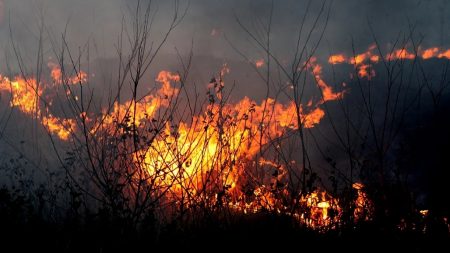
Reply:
x=100, y=21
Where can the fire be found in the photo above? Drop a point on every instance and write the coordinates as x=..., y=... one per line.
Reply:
x=213, y=152
x=319, y=205
x=135, y=113
x=26, y=94
x=444, y=54
x=58, y=77
x=61, y=127
x=218, y=139
x=425, y=54
x=363, y=62
x=337, y=59
x=55, y=72
x=430, y=53
x=259, y=63
x=165, y=77
x=363, y=205
x=212, y=156
x=327, y=92
x=400, y=54
x=366, y=71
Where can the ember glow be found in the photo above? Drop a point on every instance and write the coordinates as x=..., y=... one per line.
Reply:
x=259, y=63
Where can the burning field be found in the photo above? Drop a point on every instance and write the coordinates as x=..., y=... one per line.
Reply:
x=303, y=145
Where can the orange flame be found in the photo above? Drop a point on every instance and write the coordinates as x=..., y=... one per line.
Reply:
x=400, y=54
x=58, y=78
x=132, y=112
x=337, y=59
x=216, y=146
x=430, y=53
x=211, y=156
x=25, y=94
x=444, y=54
x=363, y=62
x=61, y=127
x=327, y=92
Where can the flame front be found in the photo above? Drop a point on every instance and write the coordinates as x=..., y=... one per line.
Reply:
x=363, y=62
x=214, y=157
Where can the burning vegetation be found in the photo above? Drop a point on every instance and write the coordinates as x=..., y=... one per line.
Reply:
x=324, y=156
x=209, y=161
x=212, y=160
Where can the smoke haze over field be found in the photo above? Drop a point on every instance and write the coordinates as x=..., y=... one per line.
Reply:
x=207, y=22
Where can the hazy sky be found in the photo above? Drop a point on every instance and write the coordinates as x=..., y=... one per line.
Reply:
x=100, y=22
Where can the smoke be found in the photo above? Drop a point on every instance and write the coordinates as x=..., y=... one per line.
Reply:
x=211, y=30
x=101, y=20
